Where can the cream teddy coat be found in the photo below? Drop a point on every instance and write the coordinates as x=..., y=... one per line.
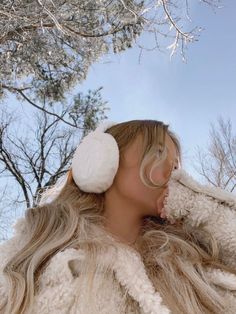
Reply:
x=200, y=208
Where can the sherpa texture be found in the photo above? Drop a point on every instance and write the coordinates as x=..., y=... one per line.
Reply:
x=96, y=160
x=204, y=208
x=61, y=290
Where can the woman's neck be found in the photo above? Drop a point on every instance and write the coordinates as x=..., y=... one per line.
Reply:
x=122, y=221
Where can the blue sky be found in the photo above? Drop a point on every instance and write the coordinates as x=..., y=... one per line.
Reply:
x=188, y=96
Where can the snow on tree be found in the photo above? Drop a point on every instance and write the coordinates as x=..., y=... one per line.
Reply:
x=47, y=46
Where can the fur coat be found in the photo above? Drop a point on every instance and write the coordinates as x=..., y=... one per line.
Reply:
x=61, y=287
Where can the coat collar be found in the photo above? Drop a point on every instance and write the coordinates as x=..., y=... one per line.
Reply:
x=130, y=272
x=126, y=264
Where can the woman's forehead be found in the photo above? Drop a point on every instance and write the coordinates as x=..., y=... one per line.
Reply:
x=134, y=150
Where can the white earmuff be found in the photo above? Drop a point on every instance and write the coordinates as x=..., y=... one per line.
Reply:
x=96, y=160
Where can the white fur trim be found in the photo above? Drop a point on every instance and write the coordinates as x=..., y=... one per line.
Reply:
x=215, y=192
x=130, y=272
x=203, y=208
x=222, y=278
x=186, y=195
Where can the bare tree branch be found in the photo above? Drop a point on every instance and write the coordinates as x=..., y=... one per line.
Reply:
x=41, y=153
x=217, y=163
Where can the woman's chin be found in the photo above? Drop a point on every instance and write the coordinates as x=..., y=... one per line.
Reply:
x=155, y=211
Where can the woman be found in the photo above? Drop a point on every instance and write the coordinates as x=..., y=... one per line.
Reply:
x=106, y=241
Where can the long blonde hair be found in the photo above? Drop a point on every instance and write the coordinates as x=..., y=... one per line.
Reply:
x=174, y=259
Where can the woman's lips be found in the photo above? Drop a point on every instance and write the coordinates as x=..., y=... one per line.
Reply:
x=160, y=203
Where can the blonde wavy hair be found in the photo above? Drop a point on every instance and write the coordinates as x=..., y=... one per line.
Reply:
x=173, y=258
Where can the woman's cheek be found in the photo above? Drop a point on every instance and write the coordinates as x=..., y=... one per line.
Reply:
x=160, y=173
x=157, y=175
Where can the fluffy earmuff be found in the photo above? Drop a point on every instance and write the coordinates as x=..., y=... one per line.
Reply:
x=96, y=160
